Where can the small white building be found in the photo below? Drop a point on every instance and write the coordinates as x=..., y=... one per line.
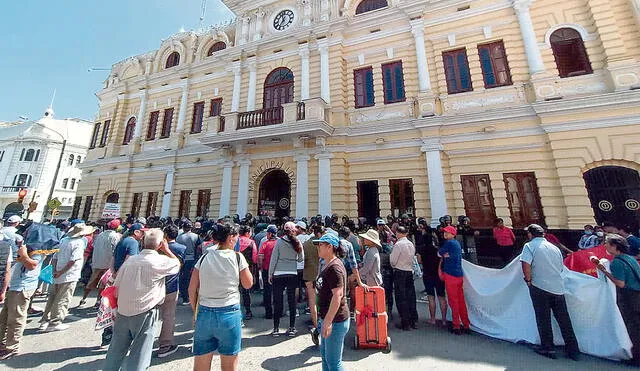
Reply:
x=29, y=155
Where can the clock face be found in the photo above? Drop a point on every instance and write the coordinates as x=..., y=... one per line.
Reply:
x=283, y=20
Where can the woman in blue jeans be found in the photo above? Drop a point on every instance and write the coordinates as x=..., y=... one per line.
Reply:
x=333, y=311
x=218, y=322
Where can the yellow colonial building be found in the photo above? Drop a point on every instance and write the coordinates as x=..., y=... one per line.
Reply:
x=520, y=109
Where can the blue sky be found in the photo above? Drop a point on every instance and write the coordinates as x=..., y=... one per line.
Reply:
x=50, y=44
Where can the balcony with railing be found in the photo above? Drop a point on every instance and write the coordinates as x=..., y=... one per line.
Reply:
x=12, y=189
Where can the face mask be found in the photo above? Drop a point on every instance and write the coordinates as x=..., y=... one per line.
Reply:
x=600, y=234
x=588, y=233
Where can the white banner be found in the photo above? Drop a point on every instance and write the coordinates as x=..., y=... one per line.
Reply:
x=111, y=211
x=499, y=306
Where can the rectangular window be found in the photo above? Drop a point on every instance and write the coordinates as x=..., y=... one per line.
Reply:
x=167, y=119
x=76, y=207
x=185, y=204
x=94, y=136
x=22, y=180
x=152, y=202
x=401, y=197
x=1, y=155
x=198, y=112
x=456, y=70
x=65, y=182
x=216, y=107
x=73, y=183
x=368, y=200
x=495, y=69
x=363, y=87
x=87, y=208
x=393, y=82
x=478, y=200
x=204, y=199
x=524, y=199
x=153, y=125
x=136, y=204
x=105, y=133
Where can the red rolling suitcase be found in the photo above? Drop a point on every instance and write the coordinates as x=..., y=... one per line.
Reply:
x=371, y=319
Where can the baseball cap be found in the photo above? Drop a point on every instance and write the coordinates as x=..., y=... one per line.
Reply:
x=76, y=221
x=115, y=223
x=289, y=226
x=450, y=229
x=380, y=222
x=14, y=219
x=137, y=227
x=272, y=229
x=301, y=225
x=328, y=238
x=142, y=220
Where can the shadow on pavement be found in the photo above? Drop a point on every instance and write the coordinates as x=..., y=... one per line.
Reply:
x=33, y=360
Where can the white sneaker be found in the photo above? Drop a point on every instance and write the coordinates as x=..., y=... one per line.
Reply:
x=43, y=326
x=60, y=327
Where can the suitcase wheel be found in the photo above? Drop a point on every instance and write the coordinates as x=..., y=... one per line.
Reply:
x=388, y=348
x=356, y=342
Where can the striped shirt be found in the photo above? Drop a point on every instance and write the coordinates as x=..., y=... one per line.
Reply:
x=140, y=282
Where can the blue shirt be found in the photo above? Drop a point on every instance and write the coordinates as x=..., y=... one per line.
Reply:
x=171, y=282
x=623, y=271
x=546, y=265
x=127, y=246
x=453, y=264
x=634, y=245
x=23, y=279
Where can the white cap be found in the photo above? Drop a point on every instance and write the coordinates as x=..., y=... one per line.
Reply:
x=14, y=219
x=301, y=224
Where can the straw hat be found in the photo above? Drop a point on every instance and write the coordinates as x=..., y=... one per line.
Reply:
x=80, y=230
x=373, y=236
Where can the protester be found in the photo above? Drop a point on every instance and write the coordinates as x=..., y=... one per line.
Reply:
x=283, y=274
x=7, y=246
x=599, y=233
x=166, y=341
x=333, y=310
x=250, y=252
x=10, y=231
x=351, y=265
x=218, y=321
x=103, y=246
x=370, y=270
x=387, y=238
x=128, y=246
x=550, y=237
x=405, y=293
x=467, y=238
x=264, y=259
x=625, y=232
x=542, y=267
x=625, y=274
x=451, y=253
x=434, y=286
x=302, y=236
x=588, y=238
x=309, y=275
x=140, y=288
x=193, y=243
x=13, y=316
x=505, y=240
x=67, y=269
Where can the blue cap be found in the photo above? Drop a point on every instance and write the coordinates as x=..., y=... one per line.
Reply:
x=76, y=221
x=272, y=229
x=329, y=238
x=137, y=227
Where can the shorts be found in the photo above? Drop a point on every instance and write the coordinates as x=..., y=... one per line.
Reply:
x=434, y=284
x=301, y=278
x=96, y=274
x=218, y=329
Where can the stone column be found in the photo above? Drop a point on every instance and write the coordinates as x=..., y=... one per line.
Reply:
x=437, y=194
x=243, y=188
x=251, y=94
x=534, y=57
x=237, y=81
x=303, y=50
x=302, y=186
x=182, y=113
x=324, y=183
x=325, y=93
x=166, y=197
x=225, y=192
x=141, y=113
x=417, y=29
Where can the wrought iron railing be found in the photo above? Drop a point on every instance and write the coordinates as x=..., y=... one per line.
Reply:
x=6, y=189
x=262, y=117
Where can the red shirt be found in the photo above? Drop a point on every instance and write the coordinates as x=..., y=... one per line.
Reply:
x=266, y=250
x=504, y=236
x=553, y=239
x=249, y=242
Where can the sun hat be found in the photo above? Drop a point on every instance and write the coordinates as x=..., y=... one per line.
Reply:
x=328, y=238
x=450, y=229
x=80, y=230
x=373, y=236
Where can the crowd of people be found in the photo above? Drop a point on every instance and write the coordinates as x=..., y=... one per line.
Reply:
x=149, y=266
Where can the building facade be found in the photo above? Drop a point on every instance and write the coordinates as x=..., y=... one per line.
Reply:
x=29, y=155
x=525, y=110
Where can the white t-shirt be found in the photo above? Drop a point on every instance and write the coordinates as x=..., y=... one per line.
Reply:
x=220, y=277
x=71, y=249
x=302, y=238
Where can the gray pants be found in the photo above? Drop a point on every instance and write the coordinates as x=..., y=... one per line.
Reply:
x=168, y=314
x=135, y=335
x=57, y=306
x=13, y=318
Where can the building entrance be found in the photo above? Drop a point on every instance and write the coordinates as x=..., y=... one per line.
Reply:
x=274, y=198
x=614, y=192
x=368, y=201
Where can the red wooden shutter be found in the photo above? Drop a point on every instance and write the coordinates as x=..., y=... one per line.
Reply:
x=153, y=125
x=166, y=123
x=198, y=112
x=524, y=199
x=478, y=199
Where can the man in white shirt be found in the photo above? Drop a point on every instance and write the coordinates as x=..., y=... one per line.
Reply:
x=402, y=262
x=102, y=257
x=67, y=263
x=140, y=288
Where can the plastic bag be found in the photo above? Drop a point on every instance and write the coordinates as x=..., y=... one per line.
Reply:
x=46, y=274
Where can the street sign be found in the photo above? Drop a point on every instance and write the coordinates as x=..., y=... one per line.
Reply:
x=54, y=203
x=111, y=211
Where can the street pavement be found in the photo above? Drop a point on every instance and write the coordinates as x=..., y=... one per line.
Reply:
x=427, y=348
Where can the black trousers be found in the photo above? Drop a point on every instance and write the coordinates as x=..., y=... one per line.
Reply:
x=246, y=299
x=387, y=283
x=629, y=304
x=405, y=296
x=267, y=294
x=290, y=282
x=543, y=303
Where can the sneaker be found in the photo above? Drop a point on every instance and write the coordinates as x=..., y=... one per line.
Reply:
x=8, y=353
x=59, y=327
x=82, y=302
x=43, y=326
x=423, y=299
x=167, y=351
x=291, y=332
x=547, y=353
x=242, y=325
x=315, y=336
x=185, y=303
x=276, y=332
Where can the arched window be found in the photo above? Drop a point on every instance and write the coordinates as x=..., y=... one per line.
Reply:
x=30, y=154
x=22, y=154
x=220, y=45
x=65, y=181
x=569, y=52
x=128, y=130
x=173, y=60
x=37, y=155
x=71, y=158
x=78, y=160
x=278, y=88
x=369, y=5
